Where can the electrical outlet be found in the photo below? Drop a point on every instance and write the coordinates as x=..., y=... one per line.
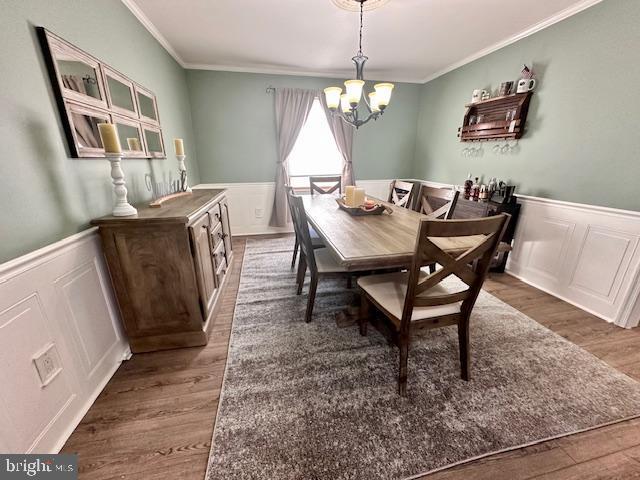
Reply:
x=259, y=212
x=47, y=363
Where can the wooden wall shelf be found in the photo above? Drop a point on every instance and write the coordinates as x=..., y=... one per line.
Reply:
x=487, y=120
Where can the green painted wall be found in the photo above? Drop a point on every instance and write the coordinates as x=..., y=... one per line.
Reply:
x=234, y=124
x=46, y=195
x=582, y=142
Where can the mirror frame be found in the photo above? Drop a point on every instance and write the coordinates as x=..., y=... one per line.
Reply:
x=70, y=101
x=147, y=93
x=137, y=125
x=59, y=46
x=153, y=128
x=72, y=107
x=110, y=72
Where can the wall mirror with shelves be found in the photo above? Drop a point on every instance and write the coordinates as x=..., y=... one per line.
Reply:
x=89, y=92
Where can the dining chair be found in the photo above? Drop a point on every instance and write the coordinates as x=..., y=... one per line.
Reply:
x=316, y=241
x=437, y=202
x=334, y=181
x=417, y=299
x=401, y=193
x=320, y=262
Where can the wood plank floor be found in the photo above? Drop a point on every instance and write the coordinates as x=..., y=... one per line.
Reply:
x=155, y=418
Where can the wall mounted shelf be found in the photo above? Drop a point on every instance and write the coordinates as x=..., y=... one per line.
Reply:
x=498, y=118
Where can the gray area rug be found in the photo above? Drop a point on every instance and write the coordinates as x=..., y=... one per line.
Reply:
x=314, y=401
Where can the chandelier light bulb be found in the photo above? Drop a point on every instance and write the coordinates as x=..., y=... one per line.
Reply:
x=354, y=91
x=332, y=96
x=373, y=102
x=344, y=103
x=383, y=94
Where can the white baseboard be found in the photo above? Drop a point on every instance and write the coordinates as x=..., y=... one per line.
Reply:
x=59, y=295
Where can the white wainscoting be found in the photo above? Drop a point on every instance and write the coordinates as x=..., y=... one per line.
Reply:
x=586, y=255
x=58, y=296
x=250, y=204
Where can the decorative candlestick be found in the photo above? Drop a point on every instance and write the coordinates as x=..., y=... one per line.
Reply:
x=113, y=151
x=182, y=170
x=122, y=208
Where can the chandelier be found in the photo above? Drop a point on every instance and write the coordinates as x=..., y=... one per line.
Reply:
x=346, y=104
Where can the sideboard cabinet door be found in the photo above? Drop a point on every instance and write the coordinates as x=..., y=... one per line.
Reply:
x=205, y=268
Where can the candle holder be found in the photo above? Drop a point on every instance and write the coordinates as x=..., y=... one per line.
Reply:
x=182, y=168
x=122, y=208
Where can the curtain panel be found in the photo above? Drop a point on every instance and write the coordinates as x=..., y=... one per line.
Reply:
x=292, y=106
x=343, y=134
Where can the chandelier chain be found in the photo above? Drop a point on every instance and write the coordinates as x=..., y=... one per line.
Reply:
x=361, y=20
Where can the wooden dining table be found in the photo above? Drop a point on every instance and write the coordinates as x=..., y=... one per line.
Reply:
x=371, y=242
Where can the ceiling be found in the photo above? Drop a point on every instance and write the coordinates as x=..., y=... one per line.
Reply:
x=406, y=40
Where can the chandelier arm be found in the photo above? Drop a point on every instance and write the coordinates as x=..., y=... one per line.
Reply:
x=362, y=122
x=367, y=104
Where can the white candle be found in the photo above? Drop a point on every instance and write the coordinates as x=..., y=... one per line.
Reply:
x=179, y=145
x=134, y=144
x=109, y=137
x=348, y=195
x=358, y=197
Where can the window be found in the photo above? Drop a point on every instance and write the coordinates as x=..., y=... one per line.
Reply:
x=315, y=151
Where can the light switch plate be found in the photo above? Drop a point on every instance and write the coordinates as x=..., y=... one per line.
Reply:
x=47, y=363
x=259, y=212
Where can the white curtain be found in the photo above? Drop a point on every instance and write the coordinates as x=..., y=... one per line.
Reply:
x=343, y=135
x=292, y=109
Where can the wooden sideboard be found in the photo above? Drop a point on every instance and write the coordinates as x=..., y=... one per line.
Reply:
x=168, y=266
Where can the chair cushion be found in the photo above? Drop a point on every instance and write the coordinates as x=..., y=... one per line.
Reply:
x=326, y=262
x=389, y=291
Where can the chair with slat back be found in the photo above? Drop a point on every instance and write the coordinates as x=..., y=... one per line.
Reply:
x=334, y=181
x=319, y=262
x=401, y=193
x=437, y=202
x=417, y=299
x=316, y=241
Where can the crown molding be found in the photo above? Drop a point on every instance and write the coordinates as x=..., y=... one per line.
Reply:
x=300, y=73
x=151, y=28
x=558, y=17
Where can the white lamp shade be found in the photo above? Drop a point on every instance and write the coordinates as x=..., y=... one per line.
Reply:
x=344, y=103
x=383, y=93
x=373, y=102
x=332, y=96
x=354, y=91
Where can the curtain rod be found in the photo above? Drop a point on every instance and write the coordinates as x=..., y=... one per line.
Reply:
x=270, y=89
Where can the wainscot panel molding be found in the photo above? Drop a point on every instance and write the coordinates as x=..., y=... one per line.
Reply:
x=57, y=300
x=250, y=204
x=586, y=255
